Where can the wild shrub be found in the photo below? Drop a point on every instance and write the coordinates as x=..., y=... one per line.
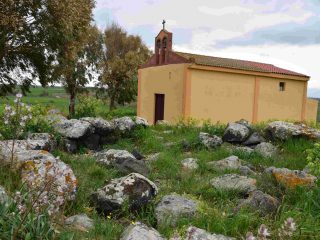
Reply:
x=313, y=159
x=87, y=106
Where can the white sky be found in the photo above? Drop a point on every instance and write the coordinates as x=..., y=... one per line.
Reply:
x=285, y=33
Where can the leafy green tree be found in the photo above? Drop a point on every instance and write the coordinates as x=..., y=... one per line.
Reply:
x=24, y=43
x=123, y=54
x=80, y=46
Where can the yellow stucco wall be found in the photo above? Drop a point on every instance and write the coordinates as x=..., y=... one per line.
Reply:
x=283, y=105
x=312, y=109
x=221, y=97
x=168, y=80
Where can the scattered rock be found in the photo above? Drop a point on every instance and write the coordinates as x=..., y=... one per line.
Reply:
x=210, y=141
x=229, y=163
x=190, y=163
x=92, y=141
x=172, y=207
x=140, y=231
x=41, y=141
x=246, y=150
x=261, y=202
x=153, y=157
x=137, y=154
x=134, y=189
x=80, y=222
x=101, y=127
x=162, y=122
x=73, y=128
x=4, y=198
x=194, y=233
x=266, y=149
x=245, y=171
x=186, y=145
x=124, y=161
x=285, y=130
x=292, y=178
x=254, y=139
x=39, y=167
x=245, y=123
x=236, y=133
x=141, y=122
x=124, y=124
x=234, y=182
x=70, y=145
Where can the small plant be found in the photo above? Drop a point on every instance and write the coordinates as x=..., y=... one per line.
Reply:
x=313, y=159
x=15, y=118
x=87, y=106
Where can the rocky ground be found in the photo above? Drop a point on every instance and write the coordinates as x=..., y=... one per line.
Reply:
x=129, y=181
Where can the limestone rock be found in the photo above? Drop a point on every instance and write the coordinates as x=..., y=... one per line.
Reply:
x=254, y=139
x=137, y=154
x=236, y=133
x=210, y=141
x=261, y=202
x=122, y=160
x=92, y=141
x=101, y=127
x=80, y=222
x=292, y=178
x=153, y=157
x=141, y=122
x=190, y=163
x=234, y=182
x=229, y=163
x=245, y=171
x=140, y=232
x=134, y=189
x=285, y=130
x=124, y=124
x=172, y=207
x=244, y=123
x=70, y=145
x=266, y=149
x=73, y=128
x=194, y=233
x=41, y=141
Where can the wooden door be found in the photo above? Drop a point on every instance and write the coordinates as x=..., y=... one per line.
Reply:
x=159, y=108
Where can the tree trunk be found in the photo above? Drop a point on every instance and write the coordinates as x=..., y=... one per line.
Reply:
x=112, y=105
x=72, y=104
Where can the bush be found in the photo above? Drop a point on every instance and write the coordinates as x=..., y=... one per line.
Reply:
x=87, y=106
x=313, y=159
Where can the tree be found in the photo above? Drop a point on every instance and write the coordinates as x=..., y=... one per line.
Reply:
x=80, y=46
x=24, y=42
x=123, y=54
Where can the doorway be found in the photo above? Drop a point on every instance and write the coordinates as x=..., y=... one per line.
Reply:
x=159, y=108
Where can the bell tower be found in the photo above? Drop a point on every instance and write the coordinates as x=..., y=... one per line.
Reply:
x=163, y=45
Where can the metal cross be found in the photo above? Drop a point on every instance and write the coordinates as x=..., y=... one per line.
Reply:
x=164, y=24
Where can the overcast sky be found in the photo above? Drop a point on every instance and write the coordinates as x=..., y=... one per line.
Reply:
x=285, y=33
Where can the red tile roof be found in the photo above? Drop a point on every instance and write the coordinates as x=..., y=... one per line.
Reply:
x=236, y=64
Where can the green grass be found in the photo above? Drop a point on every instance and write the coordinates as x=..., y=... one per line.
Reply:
x=215, y=213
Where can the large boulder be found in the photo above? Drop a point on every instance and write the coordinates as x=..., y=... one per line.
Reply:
x=190, y=163
x=101, y=127
x=266, y=149
x=234, y=182
x=41, y=141
x=261, y=202
x=236, y=133
x=292, y=178
x=194, y=233
x=140, y=231
x=133, y=189
x=73, y=128
x=80, y=222
x=123, y=124
x=254, y=139
x=284, y=130
x=210, y=141
x=141, y=122
x=41, y=170
x=229, y=163
x=172, y=207
x=124, y=161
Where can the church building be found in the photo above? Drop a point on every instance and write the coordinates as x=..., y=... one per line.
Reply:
x=176, y=85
